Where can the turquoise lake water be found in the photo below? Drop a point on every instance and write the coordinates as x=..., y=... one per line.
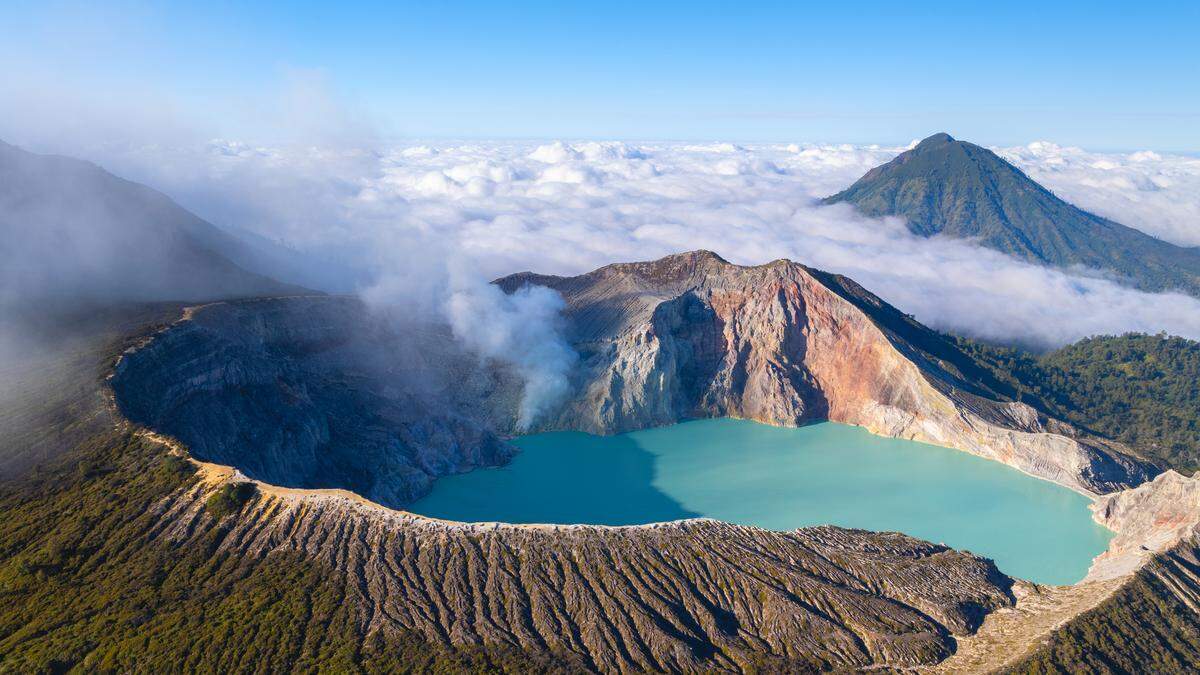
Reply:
x=782, y=479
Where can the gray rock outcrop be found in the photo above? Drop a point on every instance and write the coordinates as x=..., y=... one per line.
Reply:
x=316, y=392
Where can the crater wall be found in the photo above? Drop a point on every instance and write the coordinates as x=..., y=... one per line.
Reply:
x=316, y=392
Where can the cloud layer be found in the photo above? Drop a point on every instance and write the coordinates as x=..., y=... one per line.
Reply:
x=569, y=207
x=1156, y=193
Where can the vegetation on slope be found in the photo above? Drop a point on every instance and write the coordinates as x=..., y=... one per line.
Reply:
x=1145, y=627
x=1142, y=390
x=51, y=398
x=85, y=586
x=229, y=499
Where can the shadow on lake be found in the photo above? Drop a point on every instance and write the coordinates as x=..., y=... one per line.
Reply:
x=564, y=477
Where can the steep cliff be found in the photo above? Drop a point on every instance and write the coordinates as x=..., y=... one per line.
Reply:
x=692, y=335
x=1151, y=519
x=317, y=392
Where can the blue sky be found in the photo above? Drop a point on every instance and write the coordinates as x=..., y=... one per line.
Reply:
x=1098, y=75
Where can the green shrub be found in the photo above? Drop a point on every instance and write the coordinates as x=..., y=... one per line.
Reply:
x=174, y=465
x=229, y=499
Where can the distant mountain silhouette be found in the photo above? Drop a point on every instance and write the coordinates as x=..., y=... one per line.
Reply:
x=70, y=232
x=950, y=187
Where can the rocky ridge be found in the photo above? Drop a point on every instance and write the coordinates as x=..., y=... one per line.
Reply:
x=692, y=335
x=1149, y=520
x=690, y=596
x=700, y=595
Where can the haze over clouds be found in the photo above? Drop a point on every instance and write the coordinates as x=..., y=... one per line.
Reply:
x=569, y=207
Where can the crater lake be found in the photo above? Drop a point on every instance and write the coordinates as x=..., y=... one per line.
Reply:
x=781, y=479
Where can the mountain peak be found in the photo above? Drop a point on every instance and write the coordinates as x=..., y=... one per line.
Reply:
x=959, y=189
x=700, y=255
x=674, y=267
x=938, y=139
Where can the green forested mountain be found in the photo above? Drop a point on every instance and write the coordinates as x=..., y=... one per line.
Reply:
x=950, y=187
x=1142, y=390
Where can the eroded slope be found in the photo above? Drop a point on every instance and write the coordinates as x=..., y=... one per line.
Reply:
x=688, y=596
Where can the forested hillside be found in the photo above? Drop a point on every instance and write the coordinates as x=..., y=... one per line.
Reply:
x=1142, y=390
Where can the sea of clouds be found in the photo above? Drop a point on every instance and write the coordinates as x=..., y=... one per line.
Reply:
x=1154, y=192
x=566, y=208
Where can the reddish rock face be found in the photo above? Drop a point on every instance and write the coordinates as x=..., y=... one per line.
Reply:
x=692, y=335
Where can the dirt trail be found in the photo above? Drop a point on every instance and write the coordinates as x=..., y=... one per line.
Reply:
x=1008, y=634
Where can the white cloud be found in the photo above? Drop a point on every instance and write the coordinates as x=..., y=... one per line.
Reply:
x=569, y=207
x=1156, y=193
